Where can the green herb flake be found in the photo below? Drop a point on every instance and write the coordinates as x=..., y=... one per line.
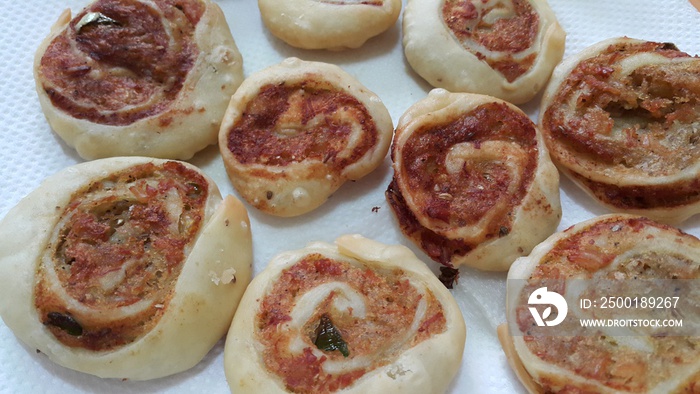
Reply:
x=328, y=337
x=65, y=322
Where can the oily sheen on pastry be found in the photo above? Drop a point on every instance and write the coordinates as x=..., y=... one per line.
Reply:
x=621, y=120
x=328, y=24
x=295, y=132
x=126, y=268
x=626, y=258
x=138, y=78
x=473, y=183
x=505, y=49
x=355, y=317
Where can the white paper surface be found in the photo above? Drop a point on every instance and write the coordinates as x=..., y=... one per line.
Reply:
x=29, y=152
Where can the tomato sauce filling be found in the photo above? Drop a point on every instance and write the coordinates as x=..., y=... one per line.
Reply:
x=119, y=61
x=462, y=199
x=506, y=35
x=644, y=124
x=122, y=242
x=296, y=122
x=602, y=358
x=390, y=301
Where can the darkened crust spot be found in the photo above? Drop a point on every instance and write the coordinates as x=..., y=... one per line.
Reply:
x=97, y=71
x=677, y=194
x=438, y=248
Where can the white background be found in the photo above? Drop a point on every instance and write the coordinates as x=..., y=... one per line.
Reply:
x=30, y=151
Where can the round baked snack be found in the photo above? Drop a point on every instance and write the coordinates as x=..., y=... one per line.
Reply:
x=505, y=49
x=473, y=183
x=138, y=78
x=295, y=132
x=126, y=268
x=635, y=277
x=328, y=24
x=622, y=120
x=358, y=317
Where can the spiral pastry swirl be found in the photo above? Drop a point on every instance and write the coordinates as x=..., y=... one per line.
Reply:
x=503, y=48
x=468, y=171
x=382, y=306
x=621, y=120
x=620, y=255
x=126, y=234
x=295, y=132
x=113, y=284
x=138, y=77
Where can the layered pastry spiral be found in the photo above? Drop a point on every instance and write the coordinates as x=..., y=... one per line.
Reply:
x=357, y=316
x=149, y=78
x=630, y=269
x=124, y=267
x=473, y=183
x=505, y=49
x=621, y=120
x=295, y=132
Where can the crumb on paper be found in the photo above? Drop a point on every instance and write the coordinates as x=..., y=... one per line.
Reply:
x=228, y=276
x=396, y=370
x=449, y=276
x=214, y=277
x=376, y=209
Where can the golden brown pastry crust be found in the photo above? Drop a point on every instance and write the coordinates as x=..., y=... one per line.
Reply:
x=620, y=119
x=142, y=78
x=505, y=49
x=618, y=252
x=125, y=268
x=473, y=183
x=328, y=24
x=296, y=131
x=422, y=355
